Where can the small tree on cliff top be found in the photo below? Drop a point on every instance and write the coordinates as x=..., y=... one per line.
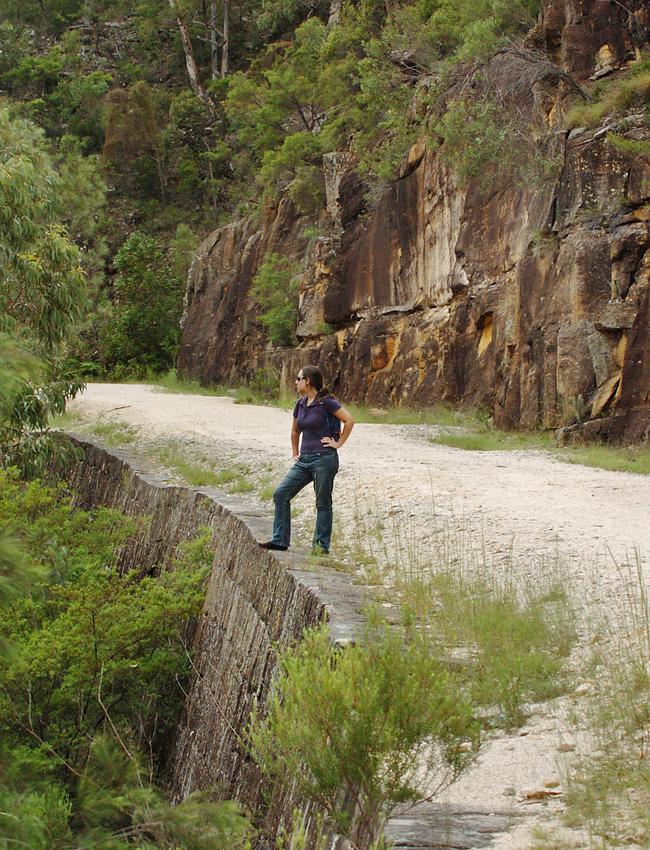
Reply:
x=354, y=729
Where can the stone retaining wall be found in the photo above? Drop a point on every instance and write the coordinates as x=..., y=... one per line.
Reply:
x=255, y=600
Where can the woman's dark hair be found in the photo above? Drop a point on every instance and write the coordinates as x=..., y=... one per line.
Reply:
x=316, y=379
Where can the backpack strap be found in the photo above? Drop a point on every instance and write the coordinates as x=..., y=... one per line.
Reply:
x=332, y=422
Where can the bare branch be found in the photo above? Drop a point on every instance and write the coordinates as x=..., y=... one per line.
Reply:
x=216, y=704
x=543, y=68
x=108, y=716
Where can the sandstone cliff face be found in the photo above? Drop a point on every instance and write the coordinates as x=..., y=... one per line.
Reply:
x=531, y=301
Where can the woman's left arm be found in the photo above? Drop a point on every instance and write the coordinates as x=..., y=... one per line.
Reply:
x=348, y=425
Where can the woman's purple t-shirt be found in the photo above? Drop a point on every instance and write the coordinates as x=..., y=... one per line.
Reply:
x=313, y=423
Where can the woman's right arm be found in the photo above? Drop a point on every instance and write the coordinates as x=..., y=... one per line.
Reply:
x=295, y=438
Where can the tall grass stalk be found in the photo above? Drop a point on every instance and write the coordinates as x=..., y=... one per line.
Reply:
x=513, y=636
x=608, y=791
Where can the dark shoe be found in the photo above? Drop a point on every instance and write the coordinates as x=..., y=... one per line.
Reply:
x=275, y=546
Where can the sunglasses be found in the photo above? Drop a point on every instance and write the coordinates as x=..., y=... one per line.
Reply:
x=300, y=378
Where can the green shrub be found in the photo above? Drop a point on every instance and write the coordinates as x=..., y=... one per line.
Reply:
x=119, y=809
x=142, y=330
x=307, y=189
x=114, y=807
x=353, y=729
x=265, y=383
x=37, y=817
x=281, y=163
x=483, y=143
x=475, y=137
x=275, y=287
x=39, y=73
x=88, y=636
x=93, y=677
x=181, y=251
x=77, y=103
x=631, y=147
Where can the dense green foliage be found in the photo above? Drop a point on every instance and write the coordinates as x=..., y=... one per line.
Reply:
x=276, y=289
x=43, y=287
x=91, y=682
x=192, y=122
x=16, y=571
x=42, y=279
x=364, y=724
x=142, y=329
x=86, y=628
x=358, y=82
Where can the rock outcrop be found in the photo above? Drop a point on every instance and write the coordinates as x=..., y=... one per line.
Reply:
x=529, y=300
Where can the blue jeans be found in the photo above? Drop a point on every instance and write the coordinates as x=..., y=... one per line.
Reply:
x=319, y=467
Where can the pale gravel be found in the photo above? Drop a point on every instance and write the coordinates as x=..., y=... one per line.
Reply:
x=529, y=511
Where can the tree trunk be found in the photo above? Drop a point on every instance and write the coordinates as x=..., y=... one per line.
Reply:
x=226, y=38
x=190, y=64
x=160, y=167
x=335, y=13
x=214, y=41
x=212, y=190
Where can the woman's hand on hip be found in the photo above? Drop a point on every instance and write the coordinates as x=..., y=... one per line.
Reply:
x=330, y=442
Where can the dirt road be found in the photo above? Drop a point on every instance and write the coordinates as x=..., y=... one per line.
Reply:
x=524, y=511
x=524, y=502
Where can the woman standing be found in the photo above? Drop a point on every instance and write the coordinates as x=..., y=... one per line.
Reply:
x=316, y=426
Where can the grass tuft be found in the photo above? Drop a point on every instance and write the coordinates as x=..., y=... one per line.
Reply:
x=200, y=472
x=196, y=474
x=66, y=421
x=613, y=96
x=515, y=644
x=114, y=433
x=615, y=458
x=494, y=441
